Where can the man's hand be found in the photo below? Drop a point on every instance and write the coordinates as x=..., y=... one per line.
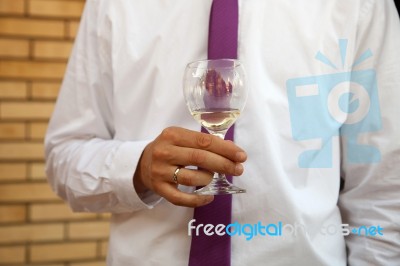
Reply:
x=176, y=147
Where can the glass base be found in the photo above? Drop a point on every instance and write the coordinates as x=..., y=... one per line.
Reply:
x=219, y=186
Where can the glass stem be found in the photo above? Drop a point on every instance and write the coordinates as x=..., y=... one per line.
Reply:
x=220, y=134
x=219, y=178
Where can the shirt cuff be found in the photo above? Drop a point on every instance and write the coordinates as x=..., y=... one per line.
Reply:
x=121, y=170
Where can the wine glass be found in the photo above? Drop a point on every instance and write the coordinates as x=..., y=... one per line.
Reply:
x=215, y=93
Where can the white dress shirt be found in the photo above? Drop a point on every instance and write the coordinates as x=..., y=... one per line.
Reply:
x=123, y=86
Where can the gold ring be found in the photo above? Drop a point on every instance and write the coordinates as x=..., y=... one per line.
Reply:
x=175, y=177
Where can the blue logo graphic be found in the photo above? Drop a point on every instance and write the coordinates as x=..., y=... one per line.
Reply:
x=342, y=104
x=368, y=230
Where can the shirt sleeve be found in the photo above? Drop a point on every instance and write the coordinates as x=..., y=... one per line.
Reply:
x=371, y=193
x=85, y=164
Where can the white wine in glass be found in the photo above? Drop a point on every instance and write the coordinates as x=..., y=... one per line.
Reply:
x=215, y=94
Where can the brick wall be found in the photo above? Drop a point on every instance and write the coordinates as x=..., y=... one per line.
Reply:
x=37, y=228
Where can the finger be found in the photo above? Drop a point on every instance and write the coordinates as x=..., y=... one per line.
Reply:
x=192, y=139
x=179, y=198
x=204, y=159
x=193, y=178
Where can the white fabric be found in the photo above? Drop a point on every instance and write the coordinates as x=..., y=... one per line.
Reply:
x=123, y=86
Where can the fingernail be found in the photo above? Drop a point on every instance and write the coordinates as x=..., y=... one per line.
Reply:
x=238, y=169
x=241, y=156
x=208, y=199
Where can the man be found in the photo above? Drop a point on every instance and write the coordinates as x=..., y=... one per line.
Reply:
x=323, y=105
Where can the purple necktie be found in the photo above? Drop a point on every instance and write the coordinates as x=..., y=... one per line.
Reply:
x=222, y=43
